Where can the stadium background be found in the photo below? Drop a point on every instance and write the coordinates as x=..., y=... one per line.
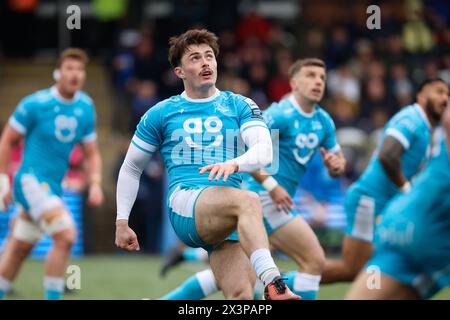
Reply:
x=371, y=75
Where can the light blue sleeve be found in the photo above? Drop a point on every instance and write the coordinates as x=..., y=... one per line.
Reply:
x=148, y=135
x=330, y=142
x=249, y=113
x=89, y=133
x=23, y=118
x=403, y=130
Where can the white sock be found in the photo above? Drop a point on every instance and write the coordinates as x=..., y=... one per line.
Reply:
x=264, y=265
x=54, y=283
x=258, y=289
x=5, y=285
x=207, y=282
x=306, y=282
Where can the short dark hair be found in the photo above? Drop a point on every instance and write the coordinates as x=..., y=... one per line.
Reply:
x=74, y=53
x=179, y=44
x=427, y=81
x=304, y=63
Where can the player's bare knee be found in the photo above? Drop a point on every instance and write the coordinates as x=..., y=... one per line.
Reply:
x=249, y=203
x=22, y=248
x=65, y=238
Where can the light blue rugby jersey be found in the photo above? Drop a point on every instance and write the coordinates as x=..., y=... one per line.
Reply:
x=300, y=136
x=412, y=129
x=52, y=126
x=193, y=133
x=439, y=165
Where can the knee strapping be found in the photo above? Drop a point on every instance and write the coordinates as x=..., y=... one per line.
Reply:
x=26, y=231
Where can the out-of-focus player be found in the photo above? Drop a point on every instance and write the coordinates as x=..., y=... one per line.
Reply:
x=401, y=154
x=51, y=122
x=303, y=128
x=412, y=243
x=196, y=133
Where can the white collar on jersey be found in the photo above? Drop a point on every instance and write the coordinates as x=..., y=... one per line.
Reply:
x=54, y=92
x=423, y=114
x=296, y=105
x=211, y=98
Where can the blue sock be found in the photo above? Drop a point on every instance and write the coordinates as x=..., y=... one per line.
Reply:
x=195, y=254
x=53, y=287
x=2, y=294
x=197, y=287
x=53, y=295
x=303, y=284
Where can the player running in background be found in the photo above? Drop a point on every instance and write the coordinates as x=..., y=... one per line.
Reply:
x=195, y=133
x=304, y=128
x=402, y=152
x=412, y=243
x=51, y=122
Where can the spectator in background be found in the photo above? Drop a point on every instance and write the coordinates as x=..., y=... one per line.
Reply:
x=146, y=97
x=342, y=83
x=400, y=85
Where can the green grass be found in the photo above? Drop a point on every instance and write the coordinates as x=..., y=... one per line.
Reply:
x=134, y=276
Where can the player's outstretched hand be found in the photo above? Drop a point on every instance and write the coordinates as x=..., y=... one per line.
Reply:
x=224, y=169
x=95, y=198
x=333, y=162
x=282, y=199
x=125, y=236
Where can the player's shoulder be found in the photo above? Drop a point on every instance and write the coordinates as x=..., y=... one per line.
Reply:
x=85, y=98
x=40, y=97
x=323, y=115
x=408, y=116
x=237, y=99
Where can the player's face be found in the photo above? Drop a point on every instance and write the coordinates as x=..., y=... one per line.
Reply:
x=309, y=83
x=198, y=67
x=436, y=99
x=72, y=75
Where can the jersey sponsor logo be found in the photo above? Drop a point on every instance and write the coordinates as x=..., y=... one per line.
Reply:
x=305, y=141
x=213, y=126
x=65, y=128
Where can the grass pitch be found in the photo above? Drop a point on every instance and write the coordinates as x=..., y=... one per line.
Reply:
x=135, y=277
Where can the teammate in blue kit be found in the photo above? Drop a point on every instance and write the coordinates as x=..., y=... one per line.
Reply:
x=303, y=128
x=51, y=122
x=401, y=154
x=196, y=133
x=412, y=243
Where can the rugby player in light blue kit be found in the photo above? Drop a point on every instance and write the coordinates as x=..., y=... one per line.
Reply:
x=401, y=154
x=303, y=128
x=51, y=122
x=412, y=243
x=198, y=132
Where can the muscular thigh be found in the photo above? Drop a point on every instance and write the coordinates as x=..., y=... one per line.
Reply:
x=215, y=212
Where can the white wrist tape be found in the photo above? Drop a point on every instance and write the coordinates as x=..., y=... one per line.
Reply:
x=269, y=184
x=4, y=189
x=406, y=187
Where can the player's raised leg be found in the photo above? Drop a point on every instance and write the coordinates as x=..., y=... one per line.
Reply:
x=219, y=211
